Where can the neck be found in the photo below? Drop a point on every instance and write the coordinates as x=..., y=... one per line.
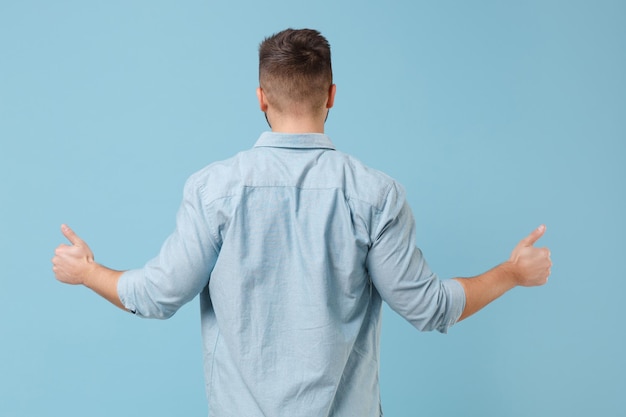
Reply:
x=297, y=128
x=297, y=124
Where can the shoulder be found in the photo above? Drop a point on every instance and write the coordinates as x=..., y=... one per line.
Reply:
x=218, y=179
x=368, y=184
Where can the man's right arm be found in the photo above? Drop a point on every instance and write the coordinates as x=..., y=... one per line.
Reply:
x=528, y=266
x=404, y=280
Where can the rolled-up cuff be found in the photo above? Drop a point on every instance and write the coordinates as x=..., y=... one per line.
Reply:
x=456, y=303
x=125, y=290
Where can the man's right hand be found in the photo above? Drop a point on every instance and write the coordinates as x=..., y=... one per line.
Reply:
x=528, y=266
x=532, y=265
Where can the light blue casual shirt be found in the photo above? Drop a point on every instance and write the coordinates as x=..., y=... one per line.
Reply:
x=292, y=247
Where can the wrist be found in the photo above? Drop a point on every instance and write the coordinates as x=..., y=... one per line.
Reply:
x=511, y=273
x=91, y=273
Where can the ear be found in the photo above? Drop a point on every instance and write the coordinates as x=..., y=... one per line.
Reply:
x=260, y=95
x=331, y=96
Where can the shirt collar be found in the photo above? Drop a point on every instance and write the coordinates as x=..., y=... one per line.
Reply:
x=294, y=140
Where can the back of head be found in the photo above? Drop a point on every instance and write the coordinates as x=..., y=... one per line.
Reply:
x=295, y=70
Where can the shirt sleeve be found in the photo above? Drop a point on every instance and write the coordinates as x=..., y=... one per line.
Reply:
x=401, y=275
x=182, y=268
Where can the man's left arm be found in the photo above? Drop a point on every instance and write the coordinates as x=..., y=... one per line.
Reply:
x=175, y=276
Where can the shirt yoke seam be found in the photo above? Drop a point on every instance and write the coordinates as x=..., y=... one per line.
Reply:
x=347, y=195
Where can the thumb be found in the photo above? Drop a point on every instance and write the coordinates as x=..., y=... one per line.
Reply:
x=70, y=235
x=533, y=236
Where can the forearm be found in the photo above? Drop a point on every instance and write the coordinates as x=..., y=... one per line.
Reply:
x=485, y=288
x=528, y=266
x=103, y=281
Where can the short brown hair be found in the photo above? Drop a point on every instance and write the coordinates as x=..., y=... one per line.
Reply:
x=295, y=69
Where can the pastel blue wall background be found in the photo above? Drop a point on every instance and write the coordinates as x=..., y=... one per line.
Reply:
x=495, y=116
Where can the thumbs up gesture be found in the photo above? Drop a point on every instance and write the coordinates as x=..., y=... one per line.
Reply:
x=532, y=264
x=72, y=263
